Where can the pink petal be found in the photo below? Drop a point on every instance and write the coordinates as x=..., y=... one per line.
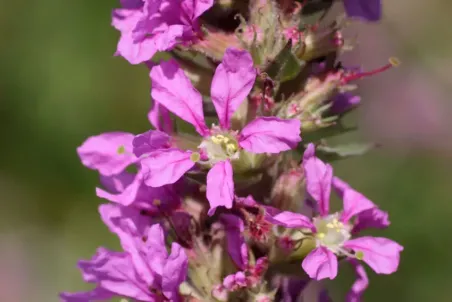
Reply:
x=340, y=186
x=125, y=20
x=114, y=215
x=166, y=166
x=309, y=152
x=233, y=80
x=195, y=8
x=155, y=249
x=143, y=197
x=131, y=237
x=246, y=201
x=160, y=118
x=270, y=135
x=109, y=153
x=318, y=179
x=114, y=272
x=172, y=89
x=150, y=141
x=220, y=186
x=354, y=203
x=174, y=273
x=289, y=219
x=320, y=263
x=127, y=196
x=360, y=285
x=381, y=254
x=135, y=52
x=97, y=294
x=169, y=38
x=132, y=4
x=142, y=36
x=237, y=248
x=117, y=183
x=373, y=218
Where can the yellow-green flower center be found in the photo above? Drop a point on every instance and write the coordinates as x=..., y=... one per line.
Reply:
x=220, y=147
x=331, y=232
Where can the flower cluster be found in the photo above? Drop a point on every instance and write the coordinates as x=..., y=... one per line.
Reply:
x=238, y=210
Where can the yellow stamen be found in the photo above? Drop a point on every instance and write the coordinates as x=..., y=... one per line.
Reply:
x=321, y=235
x=157, y=202
x=121, y=150
x=394, y=61
x=231, y=148
x=195, y=157
x=359, y=255
x=216, y=140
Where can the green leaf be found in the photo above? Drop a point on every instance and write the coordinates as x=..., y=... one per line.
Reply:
x=286, y=65
x=330, y=153
x=324, y=133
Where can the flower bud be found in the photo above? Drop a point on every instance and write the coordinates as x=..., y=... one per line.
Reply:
x=264, y=22
x=288, y=191
x=214, y=43
x=314, y=43
x=310, y=106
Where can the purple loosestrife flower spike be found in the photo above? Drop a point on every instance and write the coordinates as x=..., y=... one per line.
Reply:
x=368, y=10
x=232, y=82
x=173, y=240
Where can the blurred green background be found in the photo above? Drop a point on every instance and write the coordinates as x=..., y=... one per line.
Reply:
x=60, y=83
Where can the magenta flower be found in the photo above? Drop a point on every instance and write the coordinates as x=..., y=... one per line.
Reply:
x=368, y=10
x=144, y=272
x=332, y=232
x=221, y=147
x=343, y=102
x=111, y=153
x=150, y=26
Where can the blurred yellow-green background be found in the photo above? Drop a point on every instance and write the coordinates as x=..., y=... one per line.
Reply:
x=60, y=83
